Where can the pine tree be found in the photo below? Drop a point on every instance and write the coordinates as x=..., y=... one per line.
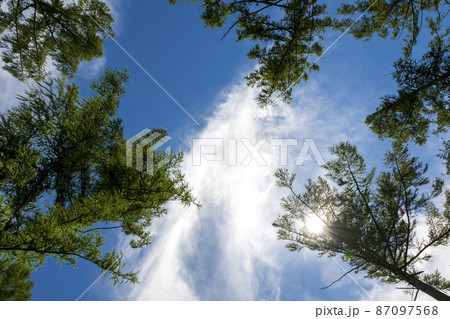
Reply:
x=370, y=221
x=65, y=32
x=288, y=34
x=422, y=98
x=14, y=283
x=421, y=106
x=64, y=178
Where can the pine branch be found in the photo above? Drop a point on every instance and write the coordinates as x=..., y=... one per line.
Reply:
x=346, y=273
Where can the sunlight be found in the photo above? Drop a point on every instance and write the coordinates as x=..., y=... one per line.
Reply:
x=313, y=224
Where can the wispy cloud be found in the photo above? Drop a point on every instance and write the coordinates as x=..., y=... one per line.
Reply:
x=115, y=6
x=91, y=69
x=228, y=250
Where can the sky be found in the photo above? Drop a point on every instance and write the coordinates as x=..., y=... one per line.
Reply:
x=192, y=85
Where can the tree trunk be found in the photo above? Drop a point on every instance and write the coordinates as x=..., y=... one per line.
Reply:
x=410, y=279
x=422, y=286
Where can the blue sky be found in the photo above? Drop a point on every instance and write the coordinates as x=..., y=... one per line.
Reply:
x=228, y=249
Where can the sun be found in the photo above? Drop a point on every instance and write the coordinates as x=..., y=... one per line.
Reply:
x=314, y=224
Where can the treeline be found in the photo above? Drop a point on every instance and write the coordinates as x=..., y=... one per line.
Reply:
x=64, y=177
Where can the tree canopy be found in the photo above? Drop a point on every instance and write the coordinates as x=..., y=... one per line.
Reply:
x=421, y=106
x=14, y=283
x=370, y=220
x=64, y=178
x=34, y=32
x=288, y=34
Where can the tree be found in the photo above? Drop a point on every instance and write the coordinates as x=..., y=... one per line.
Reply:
x=370, y=221
x=445, y=155
x=422, y=98
x=13, y=281
x=288, y=34
x=34, y=31
x=421, y=106
x=65, y=181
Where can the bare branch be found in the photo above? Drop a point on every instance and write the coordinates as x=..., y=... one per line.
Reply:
x=345, y=274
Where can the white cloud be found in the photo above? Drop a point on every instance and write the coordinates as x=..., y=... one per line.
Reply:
x=10, y=87
x=116, y=7
x=91, y=69
x=228, y=249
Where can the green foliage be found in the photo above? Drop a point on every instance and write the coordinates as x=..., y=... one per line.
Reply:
x=445, y=155
x=422, y=100
x=288, y=34
x=64, y=178
x=66, y=32
x=369, y=220
x=13, y=281
x=390, y=18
